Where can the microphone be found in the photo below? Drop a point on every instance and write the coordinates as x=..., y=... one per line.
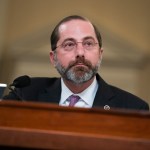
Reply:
x=20, y=82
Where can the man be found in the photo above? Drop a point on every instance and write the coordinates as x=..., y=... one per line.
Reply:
x=76, y=54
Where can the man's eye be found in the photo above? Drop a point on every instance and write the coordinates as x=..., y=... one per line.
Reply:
x=88, y=43
x=68, y=44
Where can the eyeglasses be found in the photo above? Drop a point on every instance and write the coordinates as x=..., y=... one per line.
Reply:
x=70, y=45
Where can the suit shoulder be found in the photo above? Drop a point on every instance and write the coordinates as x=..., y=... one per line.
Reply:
x=32, y=91
x=43, y=80
x=42, y=83
x=128, y=98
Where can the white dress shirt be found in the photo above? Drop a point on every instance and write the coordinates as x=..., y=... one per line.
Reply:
x=86, y=97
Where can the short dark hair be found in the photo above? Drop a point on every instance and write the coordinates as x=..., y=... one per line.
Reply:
x=55, y=33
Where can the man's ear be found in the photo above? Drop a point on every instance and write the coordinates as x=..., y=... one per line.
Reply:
x=52, y=59
x=101, y=52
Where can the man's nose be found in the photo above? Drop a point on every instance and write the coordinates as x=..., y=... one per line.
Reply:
x=80, y=49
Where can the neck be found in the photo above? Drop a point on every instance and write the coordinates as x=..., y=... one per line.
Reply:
x=77, y=88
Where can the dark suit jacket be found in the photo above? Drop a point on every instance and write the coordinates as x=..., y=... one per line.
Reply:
x=49, y=90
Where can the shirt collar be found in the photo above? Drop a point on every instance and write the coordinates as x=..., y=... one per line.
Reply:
x=65, y=93
x=87, y=95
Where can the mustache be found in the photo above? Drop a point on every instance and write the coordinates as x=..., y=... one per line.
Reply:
x=80, y=60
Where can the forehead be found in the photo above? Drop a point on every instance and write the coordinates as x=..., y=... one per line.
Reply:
x=76, y=29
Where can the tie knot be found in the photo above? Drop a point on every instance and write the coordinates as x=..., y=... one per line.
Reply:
x=73, y=99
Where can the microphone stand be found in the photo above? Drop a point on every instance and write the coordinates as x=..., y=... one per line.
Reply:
x=14, y=92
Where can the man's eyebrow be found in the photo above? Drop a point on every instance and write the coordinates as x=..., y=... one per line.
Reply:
x=88, y=37
x=69, y=39
x=72, y=39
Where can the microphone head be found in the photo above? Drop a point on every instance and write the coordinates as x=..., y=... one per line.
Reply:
x=21, y=81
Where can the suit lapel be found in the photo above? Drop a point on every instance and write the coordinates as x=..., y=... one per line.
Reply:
x=104, y=93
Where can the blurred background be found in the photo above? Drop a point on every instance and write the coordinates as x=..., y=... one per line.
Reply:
x=26, y=25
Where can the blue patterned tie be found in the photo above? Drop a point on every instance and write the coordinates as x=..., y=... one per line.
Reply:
x=73, y=99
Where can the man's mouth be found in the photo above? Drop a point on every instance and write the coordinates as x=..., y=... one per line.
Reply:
x=80, y=65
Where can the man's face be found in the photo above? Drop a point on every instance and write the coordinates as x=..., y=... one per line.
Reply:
x=75, y=58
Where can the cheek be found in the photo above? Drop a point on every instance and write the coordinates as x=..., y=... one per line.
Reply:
x=64, y=59
x=93, y=58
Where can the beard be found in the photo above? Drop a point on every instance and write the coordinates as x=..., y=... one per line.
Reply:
x=75, y=73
